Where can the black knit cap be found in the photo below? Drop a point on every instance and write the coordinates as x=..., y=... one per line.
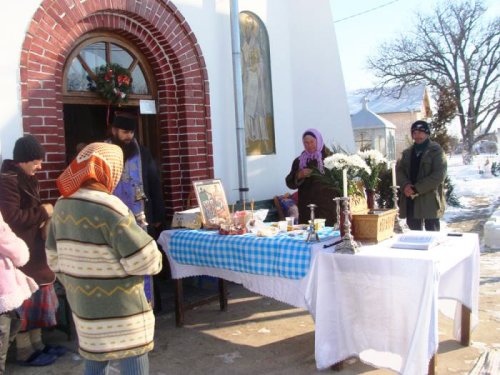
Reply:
x=125, y=122
x=422, y=126
x=27, y=149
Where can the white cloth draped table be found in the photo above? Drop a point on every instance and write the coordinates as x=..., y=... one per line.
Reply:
x=380, y=304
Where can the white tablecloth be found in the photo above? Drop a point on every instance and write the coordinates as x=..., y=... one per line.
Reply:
x=380, y=305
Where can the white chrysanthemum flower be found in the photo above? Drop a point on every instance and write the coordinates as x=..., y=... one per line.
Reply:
x=358, y=164
x=336, y=161
x=372, y=157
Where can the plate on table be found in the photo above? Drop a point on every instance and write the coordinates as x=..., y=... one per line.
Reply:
x=267, y=231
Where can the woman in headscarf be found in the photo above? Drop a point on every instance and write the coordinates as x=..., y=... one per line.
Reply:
x=310, y=187
x=22, y=209
x=101, y=255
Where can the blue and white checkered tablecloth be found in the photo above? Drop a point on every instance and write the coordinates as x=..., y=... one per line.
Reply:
x=281, y=255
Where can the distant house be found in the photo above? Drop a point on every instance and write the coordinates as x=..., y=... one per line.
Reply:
x=372, y=131
x=413, y=104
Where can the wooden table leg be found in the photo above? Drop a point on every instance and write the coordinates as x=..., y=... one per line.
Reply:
x=339, y=366
x=222, y=295
x=179, y=303
x=432, y=365
x=465, y=331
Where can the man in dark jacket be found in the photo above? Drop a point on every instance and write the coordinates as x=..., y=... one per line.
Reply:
x=139, y=187
x=421, y=172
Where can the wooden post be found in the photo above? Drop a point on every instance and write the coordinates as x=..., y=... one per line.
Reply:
x=179, y=303
x=339, y=366
x=465, y=331
x=432, y=365
x=222, y=295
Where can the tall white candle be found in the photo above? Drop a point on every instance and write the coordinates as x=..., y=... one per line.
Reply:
x=344, y=182
x=394, y=174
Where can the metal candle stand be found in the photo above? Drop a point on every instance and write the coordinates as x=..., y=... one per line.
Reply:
x=337, y=213
x=348, y=245
x=399, y=225
x=312, y=236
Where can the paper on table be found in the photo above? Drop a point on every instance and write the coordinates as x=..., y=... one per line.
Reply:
x=418, y=240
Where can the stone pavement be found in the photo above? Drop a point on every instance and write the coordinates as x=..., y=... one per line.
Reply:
x=258, y=335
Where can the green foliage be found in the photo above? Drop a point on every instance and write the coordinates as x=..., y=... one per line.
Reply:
x=384, y=199
x=113, y=83
x=451, y=197
x=446, y=112
x=372, y=180
x=331, y=178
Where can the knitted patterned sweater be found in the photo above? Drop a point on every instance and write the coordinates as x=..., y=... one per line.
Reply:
x=100, y=255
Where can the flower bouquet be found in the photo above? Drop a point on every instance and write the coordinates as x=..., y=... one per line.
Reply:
x=333, y=172
x=377, y=163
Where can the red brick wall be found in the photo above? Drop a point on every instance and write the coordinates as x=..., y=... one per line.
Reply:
x=158, y=29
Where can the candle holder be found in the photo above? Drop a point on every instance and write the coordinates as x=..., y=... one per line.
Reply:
x=348, y=245
x=312, y=236
x=337, y=213
x=400, y=226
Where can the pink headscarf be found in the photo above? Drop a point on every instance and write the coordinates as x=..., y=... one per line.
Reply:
x=305, y=157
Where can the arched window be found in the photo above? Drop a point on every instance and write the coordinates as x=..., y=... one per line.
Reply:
x=87, y=115
x=95, y=51
x=257, y=88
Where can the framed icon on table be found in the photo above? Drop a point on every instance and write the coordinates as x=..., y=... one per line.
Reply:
x=212, y=202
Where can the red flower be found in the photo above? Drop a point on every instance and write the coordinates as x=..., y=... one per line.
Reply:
x=123, y=80
x=113, y=83
x=108, y=75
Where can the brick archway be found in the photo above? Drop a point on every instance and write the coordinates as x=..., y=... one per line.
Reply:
x=158, y=29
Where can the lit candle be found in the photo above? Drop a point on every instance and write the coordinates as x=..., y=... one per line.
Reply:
x=394, y=174
x=344, y=182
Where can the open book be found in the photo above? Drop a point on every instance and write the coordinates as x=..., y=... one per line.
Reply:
x=418, y=240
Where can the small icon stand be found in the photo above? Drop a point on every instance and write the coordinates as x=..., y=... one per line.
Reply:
x=399, y=225
x=312, y=236
x=348, y=245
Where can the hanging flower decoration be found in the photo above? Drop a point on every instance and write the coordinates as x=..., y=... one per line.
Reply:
x=113, y=83
x=377, y=163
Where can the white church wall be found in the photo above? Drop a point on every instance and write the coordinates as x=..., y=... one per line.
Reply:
x=319, y=92
x=14, y=21
x=307, y=82
x=308, y=86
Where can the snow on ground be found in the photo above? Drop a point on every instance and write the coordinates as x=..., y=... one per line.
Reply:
x=475, y=191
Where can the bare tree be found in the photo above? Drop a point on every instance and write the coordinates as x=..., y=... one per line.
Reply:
x=454, y=47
